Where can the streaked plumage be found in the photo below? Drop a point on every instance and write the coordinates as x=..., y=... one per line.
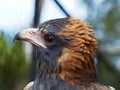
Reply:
x=66, y=49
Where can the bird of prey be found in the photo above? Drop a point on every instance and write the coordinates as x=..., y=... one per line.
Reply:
x=66, y=51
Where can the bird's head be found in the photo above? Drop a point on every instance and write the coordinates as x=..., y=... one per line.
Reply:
x=68, y=44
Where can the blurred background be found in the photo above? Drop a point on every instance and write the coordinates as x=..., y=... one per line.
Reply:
x=18, y=61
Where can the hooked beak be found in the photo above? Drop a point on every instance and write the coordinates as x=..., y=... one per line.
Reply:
x=32, y=35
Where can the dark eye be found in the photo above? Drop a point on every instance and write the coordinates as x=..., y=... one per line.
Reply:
x=50, y=38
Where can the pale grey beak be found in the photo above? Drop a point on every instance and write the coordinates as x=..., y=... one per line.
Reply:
x=32, y=35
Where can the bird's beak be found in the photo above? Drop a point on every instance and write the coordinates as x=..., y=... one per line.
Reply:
x=32, y=35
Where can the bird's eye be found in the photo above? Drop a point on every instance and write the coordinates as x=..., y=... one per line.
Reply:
x=50, y=39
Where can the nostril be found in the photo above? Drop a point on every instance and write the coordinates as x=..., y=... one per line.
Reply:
x=30, y=33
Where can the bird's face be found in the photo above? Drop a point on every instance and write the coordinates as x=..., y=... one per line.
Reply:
x=48, y=39
x=47, y=36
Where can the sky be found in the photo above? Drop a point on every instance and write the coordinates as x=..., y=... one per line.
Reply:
x=72, y=7
x=16, y=15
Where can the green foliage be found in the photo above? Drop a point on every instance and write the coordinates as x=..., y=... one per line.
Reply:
x=107, y=77
x=13, y=66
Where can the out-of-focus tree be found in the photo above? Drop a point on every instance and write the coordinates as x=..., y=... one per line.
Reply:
x=105, y=17
x=13, y=67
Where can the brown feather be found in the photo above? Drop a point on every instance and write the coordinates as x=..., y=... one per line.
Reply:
x=68, y=61
x=76, y=64
x=77, y=61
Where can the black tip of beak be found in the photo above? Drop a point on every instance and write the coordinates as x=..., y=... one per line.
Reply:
x=17, y=37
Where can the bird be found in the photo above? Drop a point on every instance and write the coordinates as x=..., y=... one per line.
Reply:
x=66, y=50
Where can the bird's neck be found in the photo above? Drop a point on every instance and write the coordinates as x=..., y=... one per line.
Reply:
x=76, y=67
x=51, y=81
x=73, y=72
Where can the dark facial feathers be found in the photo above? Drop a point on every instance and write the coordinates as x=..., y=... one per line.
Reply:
x=54, y=26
